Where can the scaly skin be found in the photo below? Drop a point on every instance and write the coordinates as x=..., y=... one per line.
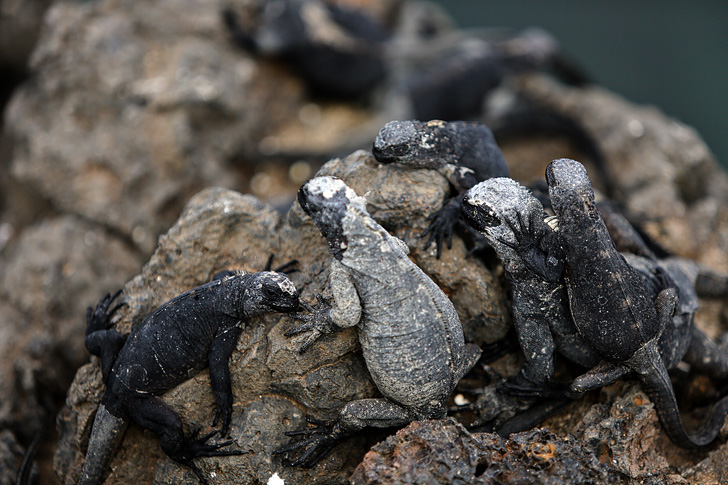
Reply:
x=513, y=222
x=611, y=306
x=197, y=329
x=410, y=334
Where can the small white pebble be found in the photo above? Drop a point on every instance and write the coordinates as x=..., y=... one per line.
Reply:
x=275, y=480
x=460, y=400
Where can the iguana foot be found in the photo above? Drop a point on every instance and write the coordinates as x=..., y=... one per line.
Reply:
x=317, y=442
x=317, y=322
x=520, y=387
x=100, y=317
x=197, y=446
x=442, y=224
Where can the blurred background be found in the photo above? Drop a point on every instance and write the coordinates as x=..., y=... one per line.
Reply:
x=670, y=53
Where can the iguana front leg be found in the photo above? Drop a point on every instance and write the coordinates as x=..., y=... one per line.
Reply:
x=220, y=351
x=153, y=414
x=324, y=319
x=442, y=222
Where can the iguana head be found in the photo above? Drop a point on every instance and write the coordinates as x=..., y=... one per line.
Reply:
x=570, y=190
x=412, y=143
x=268, y=291
x=327, y=200
x=501, y=209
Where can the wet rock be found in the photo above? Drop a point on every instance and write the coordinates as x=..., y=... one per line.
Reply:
x=443, y=451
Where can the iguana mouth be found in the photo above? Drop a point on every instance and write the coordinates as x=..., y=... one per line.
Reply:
x=285, y=307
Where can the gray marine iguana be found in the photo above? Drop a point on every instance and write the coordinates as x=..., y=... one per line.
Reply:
x=613, y=308
x=410, y=334
x=194, y=330
x=464, y=152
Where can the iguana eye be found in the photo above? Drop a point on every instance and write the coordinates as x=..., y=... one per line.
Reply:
x=390, y=153
x=270, y=291
x=489, y=218
x=480, y=216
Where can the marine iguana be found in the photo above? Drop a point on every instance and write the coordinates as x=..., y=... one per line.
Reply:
x=338, y=51
x=612, y=306
x=464, y=152
x=515, y=224
x=410, y=334
x=194, y=330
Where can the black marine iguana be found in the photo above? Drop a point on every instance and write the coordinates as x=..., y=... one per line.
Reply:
x=409, y=331
x=337, y=50
x=194, y=330
x=612, y=306
x=464, y=152
x=515, y=224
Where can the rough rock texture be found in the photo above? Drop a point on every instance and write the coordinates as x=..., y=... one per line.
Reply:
x=131, y=100
x=134, y=107
x=47, y=279
x=274, y=386
x=443, y=451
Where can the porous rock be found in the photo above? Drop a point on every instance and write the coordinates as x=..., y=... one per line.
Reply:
x=443, y=451
x=625, y=433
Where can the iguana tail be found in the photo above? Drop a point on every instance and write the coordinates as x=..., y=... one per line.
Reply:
x=106, y=435
x=656, y=384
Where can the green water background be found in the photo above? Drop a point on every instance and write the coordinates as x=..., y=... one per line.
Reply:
x=669, y=53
